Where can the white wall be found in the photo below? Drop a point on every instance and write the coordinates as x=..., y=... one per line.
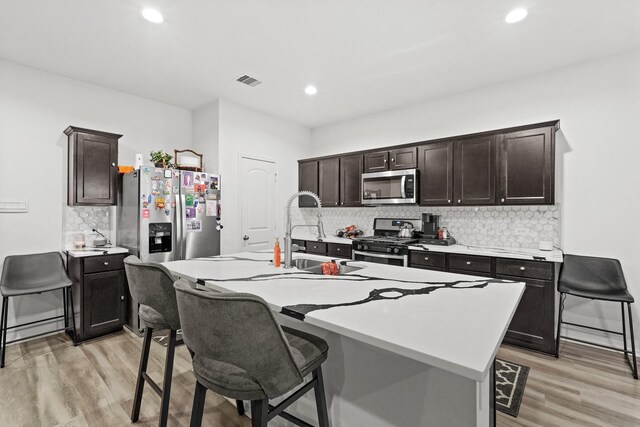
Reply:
x=598, y=104
x=245, y=131
x=35, y=107
x=206, y=128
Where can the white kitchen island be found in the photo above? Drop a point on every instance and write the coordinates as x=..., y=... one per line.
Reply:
x=407, y=347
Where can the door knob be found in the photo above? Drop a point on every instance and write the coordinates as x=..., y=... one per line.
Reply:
x=245, y=237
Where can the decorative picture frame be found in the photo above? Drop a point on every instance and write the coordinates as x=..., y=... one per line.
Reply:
x=188, y=160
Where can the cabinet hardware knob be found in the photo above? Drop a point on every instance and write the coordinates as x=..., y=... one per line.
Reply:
x=449, y=201
x=106, y=263
x=336, y=203
x=459, y=200
x=522, y=268
x=113, y=164
x=245, y=237
x=342, y=203
x=502, y=200
x=468, y=262
x=385, y=160
x=122, y=298
x=426, y=258
x=338, y=249
x=393, y=160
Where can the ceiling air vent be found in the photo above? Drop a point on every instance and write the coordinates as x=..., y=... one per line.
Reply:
x=248, y=80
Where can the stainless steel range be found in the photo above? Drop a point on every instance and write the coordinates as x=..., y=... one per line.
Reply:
x=385, y=246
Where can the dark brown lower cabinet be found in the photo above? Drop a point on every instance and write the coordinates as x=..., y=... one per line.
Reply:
x=533, y=324
x=99, y=286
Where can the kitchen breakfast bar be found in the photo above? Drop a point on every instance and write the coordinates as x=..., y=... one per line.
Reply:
x=407, y=347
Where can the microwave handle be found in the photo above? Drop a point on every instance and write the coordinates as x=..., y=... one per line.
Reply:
x=403, y=183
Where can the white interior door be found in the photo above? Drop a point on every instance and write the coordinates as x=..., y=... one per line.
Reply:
x=258, y=203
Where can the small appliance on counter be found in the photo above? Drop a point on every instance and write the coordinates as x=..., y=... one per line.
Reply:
x=432, y=233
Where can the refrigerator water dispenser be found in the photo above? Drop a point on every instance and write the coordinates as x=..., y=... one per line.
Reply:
x=160, y=237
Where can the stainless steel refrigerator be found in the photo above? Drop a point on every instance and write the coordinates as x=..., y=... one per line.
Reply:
x=167, y=215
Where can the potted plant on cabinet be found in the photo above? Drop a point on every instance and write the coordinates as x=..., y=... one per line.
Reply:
x=161, y=159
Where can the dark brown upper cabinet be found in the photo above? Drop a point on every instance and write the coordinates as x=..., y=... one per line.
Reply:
x=92, y=167
x=329, y=181
x=308, y=181
x=526, y=167
x=403, y=158
x=351, y=180
x=376, y=162
x=435, y=165
x=474, y=171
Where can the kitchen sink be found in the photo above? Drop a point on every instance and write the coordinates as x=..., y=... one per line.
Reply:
x=315, y=267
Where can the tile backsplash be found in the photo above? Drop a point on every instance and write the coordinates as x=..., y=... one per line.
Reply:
x=82, y=219
x=496, y=226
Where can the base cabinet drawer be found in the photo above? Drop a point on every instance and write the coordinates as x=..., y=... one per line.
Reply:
x=533, y=323
x=104, y=263
x=540, y=270
x=470, y=263
x=300, y=243
x=339, y=250
x=318, y=248
x=429, y=260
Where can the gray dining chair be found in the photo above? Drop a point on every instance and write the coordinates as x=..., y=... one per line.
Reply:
x=34, y=274
x=151, y=286
x=240, y=351
x=597, y=279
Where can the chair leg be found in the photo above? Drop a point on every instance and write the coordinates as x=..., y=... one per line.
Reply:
x=73, y=317
x=144, y=358
x=321, y=400
x=3, y=330
x=633, y=344
x=240, y=407
x=166, y=385
x=65, y=308
x=560, y=307
x=259, y=413
x=624, y=332
x=198, y=405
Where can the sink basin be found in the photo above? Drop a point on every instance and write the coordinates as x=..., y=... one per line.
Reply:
x=315, y=267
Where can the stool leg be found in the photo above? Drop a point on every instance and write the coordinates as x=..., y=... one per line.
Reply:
x=198, y=405
x=240, y=407
x=560, y=307
x=166, y=385
x=321, y=401
x=624, y=332
x=144, y=358
x=73, y=317
x=633, y=344
x=3, y=330
x=259, y=413
x=65, y=308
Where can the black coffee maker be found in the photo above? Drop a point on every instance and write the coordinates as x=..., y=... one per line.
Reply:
x=430, y=225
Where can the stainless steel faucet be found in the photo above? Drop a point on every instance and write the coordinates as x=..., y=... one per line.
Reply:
x=288, y=246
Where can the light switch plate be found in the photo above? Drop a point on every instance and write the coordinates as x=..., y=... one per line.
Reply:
x=20, y=206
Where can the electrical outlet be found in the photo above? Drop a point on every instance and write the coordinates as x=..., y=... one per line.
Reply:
x=521, y=231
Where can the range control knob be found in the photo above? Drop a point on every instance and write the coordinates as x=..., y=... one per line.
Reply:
x=358, y=247
x=365, y=247
x=389, y=250
x=396, y=250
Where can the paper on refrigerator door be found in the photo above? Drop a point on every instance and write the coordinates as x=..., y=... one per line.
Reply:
x=211, y=208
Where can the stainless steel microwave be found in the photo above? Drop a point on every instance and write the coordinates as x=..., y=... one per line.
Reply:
x=390, y=187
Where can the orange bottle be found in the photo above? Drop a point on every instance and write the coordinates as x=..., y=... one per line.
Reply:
x=276, y=253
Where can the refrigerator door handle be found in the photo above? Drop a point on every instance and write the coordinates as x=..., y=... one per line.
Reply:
x=180, y=224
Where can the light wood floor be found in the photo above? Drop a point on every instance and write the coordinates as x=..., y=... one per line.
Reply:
x=48, y=382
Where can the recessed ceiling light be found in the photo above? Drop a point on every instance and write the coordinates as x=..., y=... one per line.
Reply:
x=310, y=90
x=516, y=15
x=152, y=15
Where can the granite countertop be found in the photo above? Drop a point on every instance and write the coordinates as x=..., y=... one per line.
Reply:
x=514, y=253
x=95, y=251
x=450, y=321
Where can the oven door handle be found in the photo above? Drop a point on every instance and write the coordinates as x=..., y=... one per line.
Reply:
x=403, y=184
x=378, y=255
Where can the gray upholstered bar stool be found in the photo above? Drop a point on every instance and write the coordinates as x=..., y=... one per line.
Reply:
x=151, y=285
x=597, y=279
x=240, y=351
x=34, y=274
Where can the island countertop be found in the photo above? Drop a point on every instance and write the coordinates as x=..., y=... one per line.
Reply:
x=451, y=321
